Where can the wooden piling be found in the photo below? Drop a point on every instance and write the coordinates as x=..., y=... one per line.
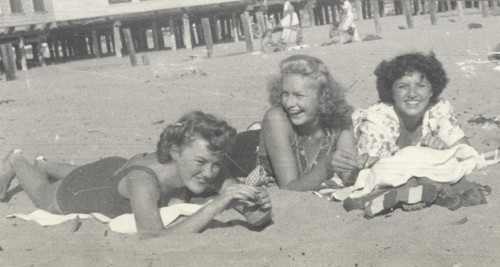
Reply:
x=171, y=27
x=407, y=12
x=485, y=9
x=376, y=17
x=432, y=11
x=130, y=46
x=186, y=31
x=460, y=9
x=207, y=34
x=234, y=27
x=96, y=41
x=245, y=21
x=261, y=22
x=21, y=54
x=117, y=38
x=9, y=61
x=156, y=38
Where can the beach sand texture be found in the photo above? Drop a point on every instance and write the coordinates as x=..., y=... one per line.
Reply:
x=85, y=110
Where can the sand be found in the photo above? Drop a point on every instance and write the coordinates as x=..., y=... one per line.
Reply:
x=85, y=110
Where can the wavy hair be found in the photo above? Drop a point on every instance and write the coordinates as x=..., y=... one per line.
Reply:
x=388, y=72
x=334, y=111
x=217, y=132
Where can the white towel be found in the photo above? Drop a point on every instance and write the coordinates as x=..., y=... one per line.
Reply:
x=124, y=224
x=445, y=166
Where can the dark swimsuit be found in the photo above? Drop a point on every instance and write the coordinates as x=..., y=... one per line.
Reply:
x=94, y=188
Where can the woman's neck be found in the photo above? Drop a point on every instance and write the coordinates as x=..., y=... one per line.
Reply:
x=409, y=123
x=310, y=131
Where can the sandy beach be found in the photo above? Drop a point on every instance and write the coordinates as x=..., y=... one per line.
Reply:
x=84, y=110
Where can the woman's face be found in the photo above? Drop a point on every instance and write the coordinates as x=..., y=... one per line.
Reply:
x=300, y=99
x=197, y=165
x=411, y=94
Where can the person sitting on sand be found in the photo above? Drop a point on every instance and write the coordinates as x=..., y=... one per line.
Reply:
x=187, y=161
x=410, y=113
x=268, y=45
x=346, y=31
x=305, y=137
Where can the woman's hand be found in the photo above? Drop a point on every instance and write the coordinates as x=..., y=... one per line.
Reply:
x=343, y=161
x=259, y=214
x=367, y=161
x=236, y=194
x=433, y=141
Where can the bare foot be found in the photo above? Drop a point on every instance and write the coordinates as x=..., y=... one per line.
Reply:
x=6, y=174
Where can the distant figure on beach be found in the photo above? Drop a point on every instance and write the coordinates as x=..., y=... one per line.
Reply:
x=292, y=32
x=305, y=137
x=346, y=31
x=268, y=45
x=187, y=162
x=410, y=112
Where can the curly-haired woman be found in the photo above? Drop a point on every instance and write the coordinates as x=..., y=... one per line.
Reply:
x=187, y=160
x=306, y=135
x=410, y=113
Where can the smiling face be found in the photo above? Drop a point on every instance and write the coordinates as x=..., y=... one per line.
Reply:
x=412, y=94
x=197, y=165
x=300, y=100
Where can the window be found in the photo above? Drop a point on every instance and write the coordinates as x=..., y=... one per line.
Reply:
x=119, y=1
x=39, y=5
x=16, y=6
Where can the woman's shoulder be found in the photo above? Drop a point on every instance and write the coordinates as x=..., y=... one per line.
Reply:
x=377, y=109
x=442, y=107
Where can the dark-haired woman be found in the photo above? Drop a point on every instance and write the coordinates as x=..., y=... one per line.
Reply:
x=187, y=160
x=410, y=113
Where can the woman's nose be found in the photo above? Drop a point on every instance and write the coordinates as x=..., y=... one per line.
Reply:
x=207, y=171
x=290, y=101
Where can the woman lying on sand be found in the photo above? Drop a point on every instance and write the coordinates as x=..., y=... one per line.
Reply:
x=187, y=160
x=410, y=113
x=305, y=137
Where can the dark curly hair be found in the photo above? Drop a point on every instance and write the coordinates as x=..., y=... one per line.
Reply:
x=335, y=112
x=388, y=72
x=219, y=134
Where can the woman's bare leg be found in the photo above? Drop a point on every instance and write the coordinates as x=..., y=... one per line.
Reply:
x=6, y=176
x=34, y=181
x=56, y=170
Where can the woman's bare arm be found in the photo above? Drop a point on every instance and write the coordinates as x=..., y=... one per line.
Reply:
x=278, y=135
x=144, y=193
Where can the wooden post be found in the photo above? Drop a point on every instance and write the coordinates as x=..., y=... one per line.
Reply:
x=130, y=46
x=117, y=38
x=64, y=47
x=40, y=52
x=217, y=28
x=261, y=22
x=460, y=9
x=8, y=60
x=432, y=11
x=234, y=27
x=312, y=19
x=359, y=9
x=407, y=12
x=21, y=53
x=376, y=17
x=247, y=31
x=156, y=41
x=485, y=9
x=108, y=43
x=207, y=34
x=96, y=41
x=171, y=28
x=186, y=31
